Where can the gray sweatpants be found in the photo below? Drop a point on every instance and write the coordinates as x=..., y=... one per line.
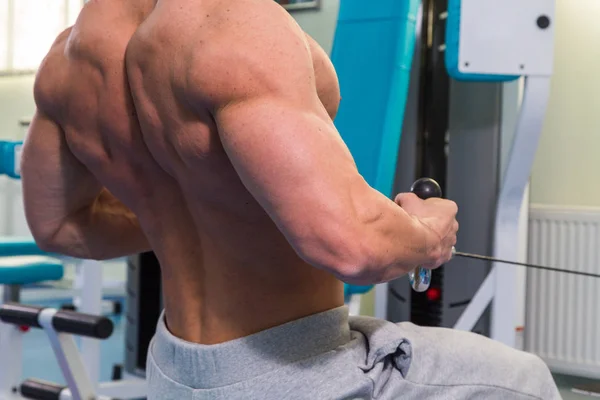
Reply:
x=331, y=356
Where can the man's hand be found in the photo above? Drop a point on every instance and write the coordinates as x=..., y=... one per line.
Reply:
x=439, y=216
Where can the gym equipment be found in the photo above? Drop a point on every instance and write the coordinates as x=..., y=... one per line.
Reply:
x=16, y=271
x=462, y=71
x=144, y=305
x=489, y=46
x=426, y=188
x=10, y=154
x=471, y=42
x=82, y=364
x=59, y=326
x=422, y=152
x=19, y=246
x=527, y=265
x=371, y=129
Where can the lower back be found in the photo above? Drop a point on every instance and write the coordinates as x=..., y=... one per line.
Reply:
x=243, y=278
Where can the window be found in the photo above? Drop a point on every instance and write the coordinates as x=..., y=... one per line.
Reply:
x=3, y=35
x=28, y=29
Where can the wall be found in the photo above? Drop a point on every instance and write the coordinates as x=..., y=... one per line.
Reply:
x=567, y=162
x=320, y=23
x=16, y=103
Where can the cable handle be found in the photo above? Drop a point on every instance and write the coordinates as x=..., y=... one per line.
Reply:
x=424, y=188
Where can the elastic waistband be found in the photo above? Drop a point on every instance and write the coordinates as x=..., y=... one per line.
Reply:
x=210, y=366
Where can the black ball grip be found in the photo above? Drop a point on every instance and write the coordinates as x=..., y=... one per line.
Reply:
x=424, y=188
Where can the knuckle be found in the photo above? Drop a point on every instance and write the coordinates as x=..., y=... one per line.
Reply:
x=404, y=197
x=454, y=207
x=437, y=254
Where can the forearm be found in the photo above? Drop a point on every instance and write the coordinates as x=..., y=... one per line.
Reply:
x=394, y=241
x=306, y=180
x=364, y=239
x=105, y=229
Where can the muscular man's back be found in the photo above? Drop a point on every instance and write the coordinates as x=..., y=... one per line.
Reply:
x=86, y=126
x=235, y=175
x=228, y=271
x=249, y=278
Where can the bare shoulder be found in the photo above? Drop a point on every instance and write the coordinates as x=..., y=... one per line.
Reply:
x=328, y=87
x=95, y=36
x=103, y=30
x=252, y=49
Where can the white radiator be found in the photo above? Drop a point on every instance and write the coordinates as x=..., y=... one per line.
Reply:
x=563, y=310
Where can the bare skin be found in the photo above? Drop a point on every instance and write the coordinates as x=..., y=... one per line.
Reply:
x=235, y=176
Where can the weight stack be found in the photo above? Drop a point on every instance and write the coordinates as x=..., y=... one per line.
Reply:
x=144, y=305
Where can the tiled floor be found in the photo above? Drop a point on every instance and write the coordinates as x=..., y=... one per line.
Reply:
x=566, y=383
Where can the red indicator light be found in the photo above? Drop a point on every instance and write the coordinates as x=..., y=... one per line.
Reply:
x=433, y=294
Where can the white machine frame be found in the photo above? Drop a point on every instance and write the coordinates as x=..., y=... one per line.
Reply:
x=493, y=46
x=491, y=43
